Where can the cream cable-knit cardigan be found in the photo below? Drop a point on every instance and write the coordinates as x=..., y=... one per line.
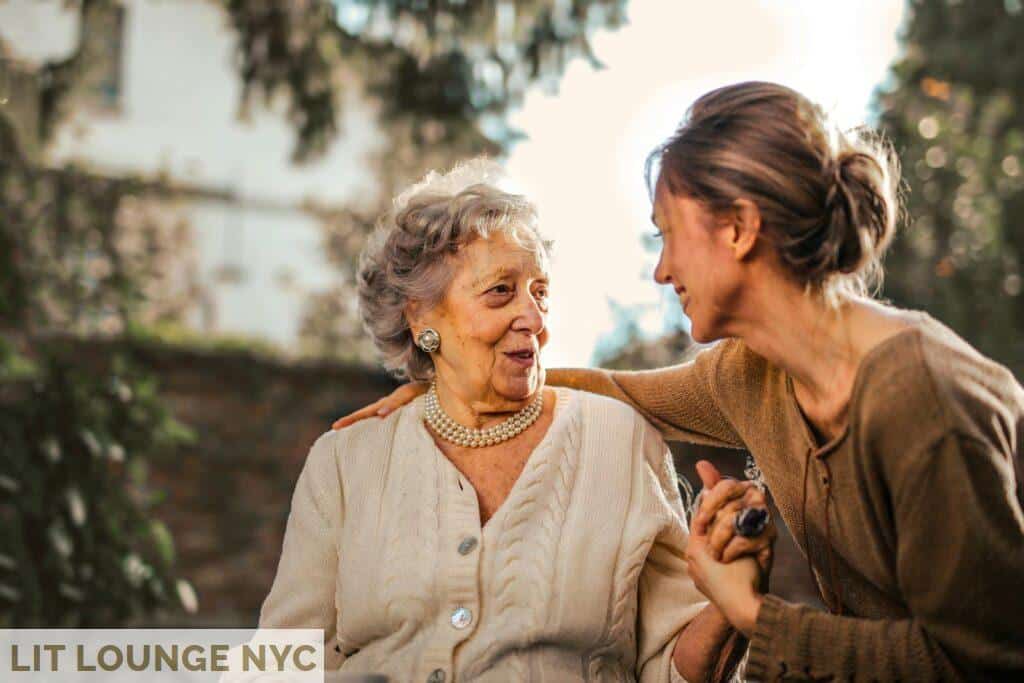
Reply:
x=578, y=576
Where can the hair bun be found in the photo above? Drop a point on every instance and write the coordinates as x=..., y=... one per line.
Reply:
x=860, y=206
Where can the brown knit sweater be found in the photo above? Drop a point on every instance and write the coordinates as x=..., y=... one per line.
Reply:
x=911, y=518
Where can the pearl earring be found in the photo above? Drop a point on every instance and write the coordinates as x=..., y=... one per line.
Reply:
x=428, y=340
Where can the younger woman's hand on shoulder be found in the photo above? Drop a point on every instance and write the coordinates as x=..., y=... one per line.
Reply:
x=385, y=406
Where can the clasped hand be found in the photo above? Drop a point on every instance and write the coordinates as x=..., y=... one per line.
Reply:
x=731, y=570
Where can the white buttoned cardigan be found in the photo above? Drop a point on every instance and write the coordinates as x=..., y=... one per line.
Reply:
x=578, y=576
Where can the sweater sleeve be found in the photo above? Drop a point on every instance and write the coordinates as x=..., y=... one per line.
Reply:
x=303, y=592
x=959, y=562
x=667, y=597
x=680, y=400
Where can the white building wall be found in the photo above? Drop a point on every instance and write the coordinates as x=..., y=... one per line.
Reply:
x=178, y=116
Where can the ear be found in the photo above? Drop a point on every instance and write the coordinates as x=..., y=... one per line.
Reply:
x=414, y=315
x=745, y=229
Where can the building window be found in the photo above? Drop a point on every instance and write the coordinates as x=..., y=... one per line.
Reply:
x=103, y=38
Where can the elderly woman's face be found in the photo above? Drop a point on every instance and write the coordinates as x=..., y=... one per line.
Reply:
x=492, y=322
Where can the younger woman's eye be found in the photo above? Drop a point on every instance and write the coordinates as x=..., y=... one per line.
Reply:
x=657, y=235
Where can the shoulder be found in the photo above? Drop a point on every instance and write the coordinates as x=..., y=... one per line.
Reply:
x=608, y=413
x=366, y=439
x=372, y=431
x=745, y=385
x=321, y=466
x=730, y=361
x=619, y=423
x=927, y=383
x=596, y=404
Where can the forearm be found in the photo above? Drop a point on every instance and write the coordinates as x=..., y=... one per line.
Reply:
x=708, y=648
x=798, y=641
x=674, y=400
x=591, y=380
x=602, y=382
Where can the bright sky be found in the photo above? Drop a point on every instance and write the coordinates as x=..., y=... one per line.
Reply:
x=584, y=158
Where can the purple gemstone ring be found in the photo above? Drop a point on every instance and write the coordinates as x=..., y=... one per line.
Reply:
x=751, y=522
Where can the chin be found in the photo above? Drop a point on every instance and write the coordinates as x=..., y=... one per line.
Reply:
x=698, y=336
x=704, y=334
x=521, y=388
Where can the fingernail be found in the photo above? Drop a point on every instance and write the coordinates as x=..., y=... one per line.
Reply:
x=383, y=411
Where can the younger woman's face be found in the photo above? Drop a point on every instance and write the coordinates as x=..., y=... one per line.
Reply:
x=698, y=262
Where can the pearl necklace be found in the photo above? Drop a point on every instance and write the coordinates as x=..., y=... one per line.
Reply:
x=450, y=430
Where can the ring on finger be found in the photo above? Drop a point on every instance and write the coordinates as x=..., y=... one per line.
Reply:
x=750, y=521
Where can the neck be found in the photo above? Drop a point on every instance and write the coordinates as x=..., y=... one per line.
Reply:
x=476, y=409
x=813, y=342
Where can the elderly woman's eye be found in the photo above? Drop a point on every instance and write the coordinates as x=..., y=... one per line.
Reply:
x=500, y=289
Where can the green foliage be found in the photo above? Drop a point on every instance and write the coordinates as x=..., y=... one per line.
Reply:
x=955, y=112
x=79, y=254
x=444, y=63
x=79, y=546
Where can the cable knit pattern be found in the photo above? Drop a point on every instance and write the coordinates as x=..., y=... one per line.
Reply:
x=530, y=534
x=410, y=539
x=622, y=619
x=554, y=588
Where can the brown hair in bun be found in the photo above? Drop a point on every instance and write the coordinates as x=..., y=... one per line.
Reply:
x=828, y=199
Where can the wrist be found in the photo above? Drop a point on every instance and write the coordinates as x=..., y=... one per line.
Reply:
x=744, y=612
x=749, y=617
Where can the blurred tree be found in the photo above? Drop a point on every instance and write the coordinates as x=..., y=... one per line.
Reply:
x=954, y=108
x=77, y=547
x=444, y=74
x=626, y=347
x=444, y=71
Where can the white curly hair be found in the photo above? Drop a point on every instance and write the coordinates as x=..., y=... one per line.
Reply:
x=408, y=257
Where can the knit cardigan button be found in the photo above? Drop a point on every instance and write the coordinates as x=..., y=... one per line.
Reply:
x=461, y=618
x=467, y=545
x=436, y=676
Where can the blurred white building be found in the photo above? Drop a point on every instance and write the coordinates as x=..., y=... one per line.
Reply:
x=167, y=106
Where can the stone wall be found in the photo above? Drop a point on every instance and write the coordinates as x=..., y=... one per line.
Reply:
x=227, y=496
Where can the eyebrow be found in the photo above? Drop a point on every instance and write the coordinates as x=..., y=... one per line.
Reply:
x=492, y=275
x=501, y=273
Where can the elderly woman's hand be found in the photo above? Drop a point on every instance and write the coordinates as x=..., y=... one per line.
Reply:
x=734, y=587
x=721, y=500
x=390, y=403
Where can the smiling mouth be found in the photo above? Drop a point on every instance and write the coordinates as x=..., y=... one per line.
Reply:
x=523, y=357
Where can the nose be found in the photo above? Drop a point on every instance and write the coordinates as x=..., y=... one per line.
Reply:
x=661, y=274
x=530, y=317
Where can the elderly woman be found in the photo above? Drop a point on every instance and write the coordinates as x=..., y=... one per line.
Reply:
x=494, y=529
